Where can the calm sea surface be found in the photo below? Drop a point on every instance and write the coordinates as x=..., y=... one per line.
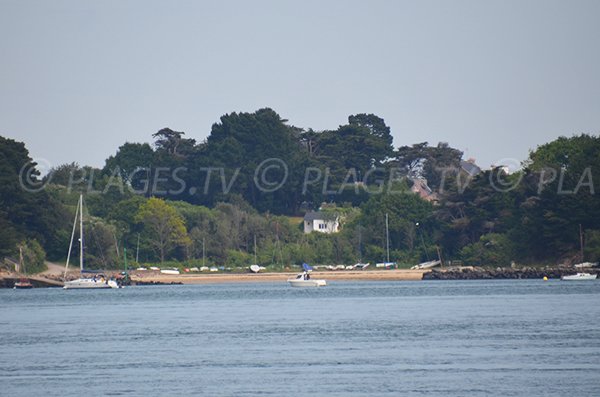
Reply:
x=437, y=338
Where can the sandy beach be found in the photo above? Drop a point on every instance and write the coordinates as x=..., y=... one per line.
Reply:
x=373, y=275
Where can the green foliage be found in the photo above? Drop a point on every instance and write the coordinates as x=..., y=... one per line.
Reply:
x=34, y=256
x=26, y=209
x=592, y=246
x=164, y=229
x=491, y=250
x=214, y=208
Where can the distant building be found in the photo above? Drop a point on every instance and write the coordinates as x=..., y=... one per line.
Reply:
x=324, y=222
x=421, y=188
x=470, y=167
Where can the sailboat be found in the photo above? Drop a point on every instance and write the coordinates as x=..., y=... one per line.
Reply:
x=581, y=275
x=23, y=282
x=388, y=264
x=97, y=280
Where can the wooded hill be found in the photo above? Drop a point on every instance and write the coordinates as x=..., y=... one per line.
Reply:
x=255, y=176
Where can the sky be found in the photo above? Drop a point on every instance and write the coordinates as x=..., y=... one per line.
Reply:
x=492, y=78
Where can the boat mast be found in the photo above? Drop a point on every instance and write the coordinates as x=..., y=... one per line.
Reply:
x=81, y=232
x=72, y=237
x=387, y=237
x=21, y=263
x=359, y=243
x=581, y=241
x=255, y=249
x=137, y=250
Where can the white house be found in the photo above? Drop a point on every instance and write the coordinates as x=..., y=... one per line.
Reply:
x=323, y=222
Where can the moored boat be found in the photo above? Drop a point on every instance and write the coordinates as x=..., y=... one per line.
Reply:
x=23, y=283
x=579, y=276
x=97, y=280
x=303, y=279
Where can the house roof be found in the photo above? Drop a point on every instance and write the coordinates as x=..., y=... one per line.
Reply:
x=470, y=168
x=314, y=215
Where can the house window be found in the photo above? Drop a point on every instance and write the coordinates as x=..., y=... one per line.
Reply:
x=322, y=226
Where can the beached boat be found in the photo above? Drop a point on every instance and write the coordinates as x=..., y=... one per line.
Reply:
x=255, y=268
x=97, y=280
x=579, y=276
x=427, y=265
x=172, y=272
x=303, y=279
x=585, y=265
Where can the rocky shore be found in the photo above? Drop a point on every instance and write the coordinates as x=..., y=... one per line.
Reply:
x=487, y=273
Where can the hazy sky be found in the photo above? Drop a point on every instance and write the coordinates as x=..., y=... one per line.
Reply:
x=492, y=78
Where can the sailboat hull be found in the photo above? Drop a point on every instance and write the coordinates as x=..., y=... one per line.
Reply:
x=90, y=283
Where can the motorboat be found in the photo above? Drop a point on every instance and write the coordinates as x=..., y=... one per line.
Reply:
x=23, y=283
x=303, y=280
x=579, y=276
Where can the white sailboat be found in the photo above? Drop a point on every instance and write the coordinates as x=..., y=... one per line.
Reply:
x=97, y=280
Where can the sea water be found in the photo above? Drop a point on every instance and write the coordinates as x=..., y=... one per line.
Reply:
x=434, y=338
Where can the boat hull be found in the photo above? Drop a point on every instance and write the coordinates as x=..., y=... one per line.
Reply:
x=307, y=283
x=90, y=283
x=579, y=277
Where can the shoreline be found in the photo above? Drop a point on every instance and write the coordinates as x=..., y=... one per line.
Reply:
x=463, y=273
x=358, y=275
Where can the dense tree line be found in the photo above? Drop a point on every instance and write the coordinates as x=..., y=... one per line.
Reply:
x=241, y=193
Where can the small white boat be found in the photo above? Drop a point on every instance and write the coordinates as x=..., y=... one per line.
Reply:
x=154, y=268
x=427, y=265
x=170, y=271
x=579, y=276
x=304, y=280
x=585, y=265
x=255, y=268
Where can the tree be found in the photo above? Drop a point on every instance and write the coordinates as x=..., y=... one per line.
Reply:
x=560, y=195
x=492, y=250
x=134, y=163
x=173, y=143
x=34, y=256
x=164, y=228
x=26, y=209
